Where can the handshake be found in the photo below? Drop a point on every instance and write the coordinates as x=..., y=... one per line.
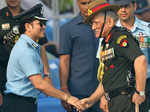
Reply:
x=73, y=104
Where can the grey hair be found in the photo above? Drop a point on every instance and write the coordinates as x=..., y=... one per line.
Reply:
x=111, y=14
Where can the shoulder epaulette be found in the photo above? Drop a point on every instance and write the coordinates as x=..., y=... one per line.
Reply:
x=34, y=45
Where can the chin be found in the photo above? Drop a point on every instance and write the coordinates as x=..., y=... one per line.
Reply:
x=97, y=36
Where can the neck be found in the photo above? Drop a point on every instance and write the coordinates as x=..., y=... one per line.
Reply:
x=31, y=36
x=15, y=10
x=129, y=24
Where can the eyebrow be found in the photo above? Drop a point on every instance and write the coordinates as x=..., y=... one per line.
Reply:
x=84, y=3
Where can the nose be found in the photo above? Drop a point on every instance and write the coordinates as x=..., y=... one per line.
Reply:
x=123, y=9
x=93, y=26
x=44, y=26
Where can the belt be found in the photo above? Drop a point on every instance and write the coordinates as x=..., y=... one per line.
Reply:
x=119, y=91
x=29, y=99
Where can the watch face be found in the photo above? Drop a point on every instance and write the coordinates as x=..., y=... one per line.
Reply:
x=142, y=93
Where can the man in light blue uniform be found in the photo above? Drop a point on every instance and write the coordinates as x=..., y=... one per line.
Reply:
x=141, y=32
x=14, y=85
x=25, y=78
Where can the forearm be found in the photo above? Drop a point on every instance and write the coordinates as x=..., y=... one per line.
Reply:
x=64, y=71
x=140, y=66
x=47, y=87
x=98, y=93
x=50, y=90
x=44, y=59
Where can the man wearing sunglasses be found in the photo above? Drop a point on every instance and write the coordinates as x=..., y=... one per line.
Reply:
x=25, y=70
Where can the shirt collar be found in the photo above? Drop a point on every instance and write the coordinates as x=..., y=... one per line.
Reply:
x=79, y=19
x=137, y=24
x=30, y=42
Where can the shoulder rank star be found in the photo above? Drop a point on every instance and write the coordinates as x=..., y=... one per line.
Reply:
x=124, y=43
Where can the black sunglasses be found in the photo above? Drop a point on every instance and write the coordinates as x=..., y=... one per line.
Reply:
x=42, y=23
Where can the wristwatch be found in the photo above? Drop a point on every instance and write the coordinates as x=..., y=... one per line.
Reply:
x=141, y=93
x=48, y=75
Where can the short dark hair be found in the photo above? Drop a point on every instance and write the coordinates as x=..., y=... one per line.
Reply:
x=22, y=25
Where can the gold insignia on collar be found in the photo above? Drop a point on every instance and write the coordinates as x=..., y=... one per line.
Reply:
x=121, y=38
x=89, y=12
x=5, y=26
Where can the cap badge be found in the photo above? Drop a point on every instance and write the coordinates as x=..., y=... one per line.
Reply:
x=89, y=12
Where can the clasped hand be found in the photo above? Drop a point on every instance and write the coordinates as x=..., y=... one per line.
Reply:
x=80, y=105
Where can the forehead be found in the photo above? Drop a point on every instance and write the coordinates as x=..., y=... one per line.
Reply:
x=12, y=0
x=98, y=18
x=36, y=21
x=85, y=1
x=99, y=15
x=127, y=5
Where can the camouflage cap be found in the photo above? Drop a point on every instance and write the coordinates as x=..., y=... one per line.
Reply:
x=100, y=6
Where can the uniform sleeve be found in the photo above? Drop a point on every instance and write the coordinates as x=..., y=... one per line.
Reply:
x=127, y=46
x=30, y=64
x=65, y=44
x=4, y=55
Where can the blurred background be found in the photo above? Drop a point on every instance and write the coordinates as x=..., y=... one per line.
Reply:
x=57, y=11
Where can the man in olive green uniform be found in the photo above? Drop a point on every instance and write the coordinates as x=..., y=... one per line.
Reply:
x=119, y=52
x=8, y=36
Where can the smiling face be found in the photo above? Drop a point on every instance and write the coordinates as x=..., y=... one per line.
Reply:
x=35, y=29
x=97, y=24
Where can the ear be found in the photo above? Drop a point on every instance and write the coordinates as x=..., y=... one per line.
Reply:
x=111, y=22
x=27, y=26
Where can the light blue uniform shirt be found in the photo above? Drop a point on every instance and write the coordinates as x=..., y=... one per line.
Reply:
x=24, y=62
x=141, y=32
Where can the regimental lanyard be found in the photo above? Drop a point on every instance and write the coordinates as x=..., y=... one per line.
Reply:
x=100, y=73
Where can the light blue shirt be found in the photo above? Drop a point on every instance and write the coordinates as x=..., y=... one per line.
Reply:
x=141, y=32
x=24, y=62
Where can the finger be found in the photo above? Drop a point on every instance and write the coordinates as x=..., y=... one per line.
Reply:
x=67, y=106
x=136, y=107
